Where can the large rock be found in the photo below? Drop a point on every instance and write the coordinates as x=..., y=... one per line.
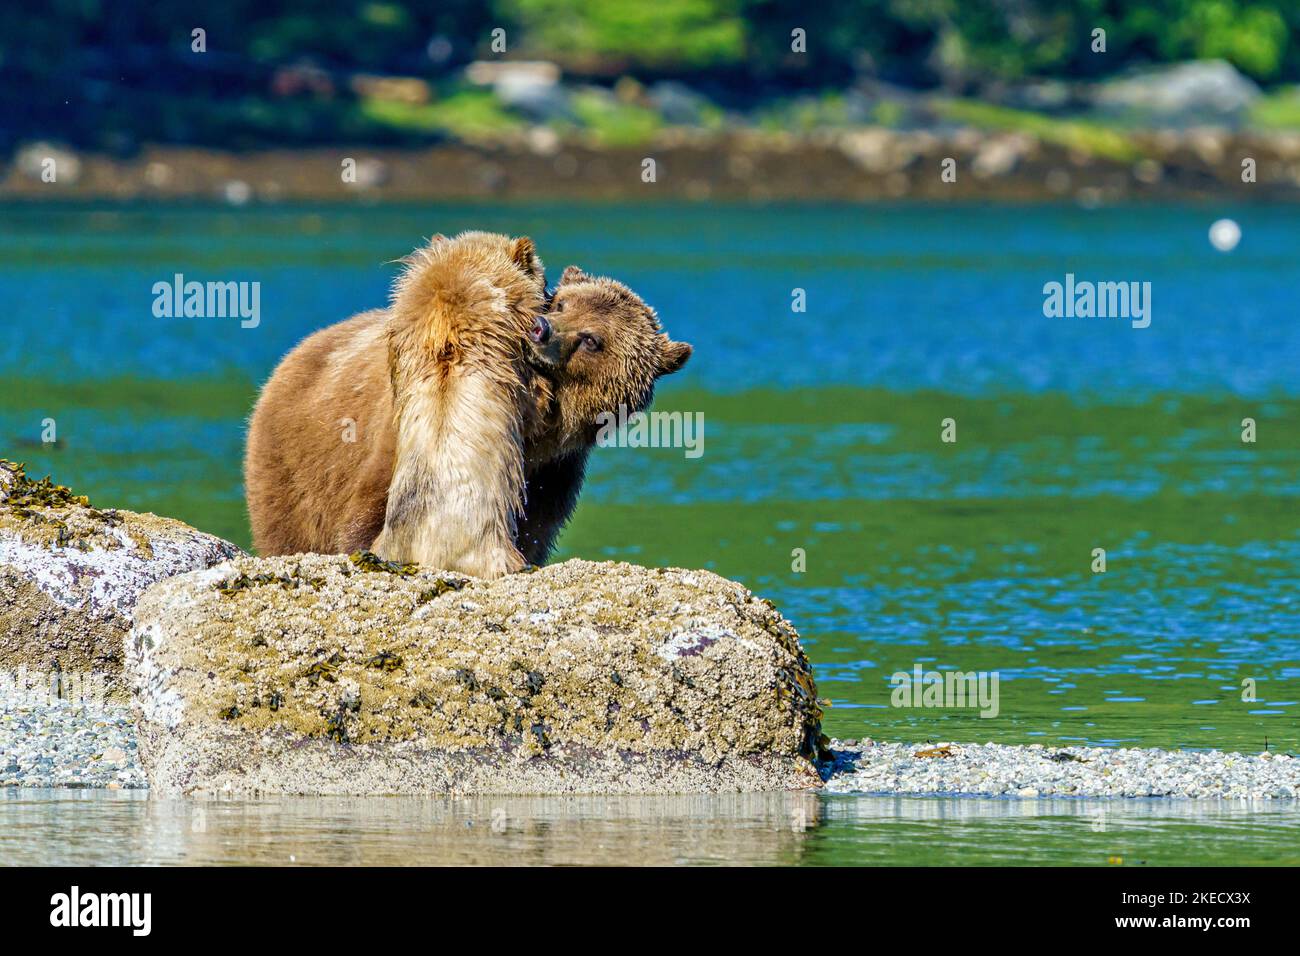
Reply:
x=677, y=103
x=70, y=574
x=334, y=674
x=1203, y=91
x=531, y=87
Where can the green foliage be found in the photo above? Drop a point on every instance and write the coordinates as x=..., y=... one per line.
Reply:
x=959, y=42
x=1253, y=37
x=612, y=122
x=804, y=113
x=280, y=72
x=371, y=33
x=1092, y=138
x=664, y=34
x=467, y=114
x=952, y=40
x=1279, y=110
x=888, y=113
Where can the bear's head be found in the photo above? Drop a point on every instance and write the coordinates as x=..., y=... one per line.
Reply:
x=477, y=293
x=602, y=347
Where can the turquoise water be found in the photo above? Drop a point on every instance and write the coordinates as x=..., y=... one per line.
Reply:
x=822, y=429
x=900, y=298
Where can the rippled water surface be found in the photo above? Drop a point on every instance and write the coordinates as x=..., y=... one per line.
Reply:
x=822, y=433
x=106, y=828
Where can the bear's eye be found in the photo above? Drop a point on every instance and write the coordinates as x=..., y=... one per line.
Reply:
x=591, y=343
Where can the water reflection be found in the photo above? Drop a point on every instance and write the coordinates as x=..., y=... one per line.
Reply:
x=60, y=828
x=966, y=831
x=52, y=827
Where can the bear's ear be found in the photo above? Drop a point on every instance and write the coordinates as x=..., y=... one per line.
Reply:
x=524, y=253
x=437, y=238
x=572, y=274
x=673, y=355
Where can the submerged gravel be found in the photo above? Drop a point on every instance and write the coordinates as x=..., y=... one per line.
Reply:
x=59, y=744
x=1038, y=771
x=64, y=744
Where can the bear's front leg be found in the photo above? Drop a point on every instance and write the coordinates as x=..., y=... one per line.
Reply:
x=549, y=499
x=457, y=485
x=434, y=545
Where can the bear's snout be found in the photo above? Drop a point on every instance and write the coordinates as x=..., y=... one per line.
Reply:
x=545, y=347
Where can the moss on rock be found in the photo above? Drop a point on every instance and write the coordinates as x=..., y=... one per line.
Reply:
x=588, y=676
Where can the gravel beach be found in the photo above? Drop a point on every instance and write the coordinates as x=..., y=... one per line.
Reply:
x=64, y=745
x=1040, y=771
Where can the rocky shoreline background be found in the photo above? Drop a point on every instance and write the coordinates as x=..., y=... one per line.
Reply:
x=852, y=165
x=334, y=674
x=516, y=130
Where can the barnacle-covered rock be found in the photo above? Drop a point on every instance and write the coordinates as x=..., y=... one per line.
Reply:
x=70, y=574
x=336, y=674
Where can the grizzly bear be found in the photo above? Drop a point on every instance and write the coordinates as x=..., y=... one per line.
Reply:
x=599, y=346
x=604, y=348
x=402, y=430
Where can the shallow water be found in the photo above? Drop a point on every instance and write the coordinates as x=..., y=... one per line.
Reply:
x=822, y=432
x=53, y=827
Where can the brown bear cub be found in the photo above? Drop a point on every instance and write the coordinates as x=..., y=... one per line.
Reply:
x=402, y=430
x=453, y=428
x=604, y=348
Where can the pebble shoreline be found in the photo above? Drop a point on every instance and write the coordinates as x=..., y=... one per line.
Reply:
x=61, y=744
x=1038, y=771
